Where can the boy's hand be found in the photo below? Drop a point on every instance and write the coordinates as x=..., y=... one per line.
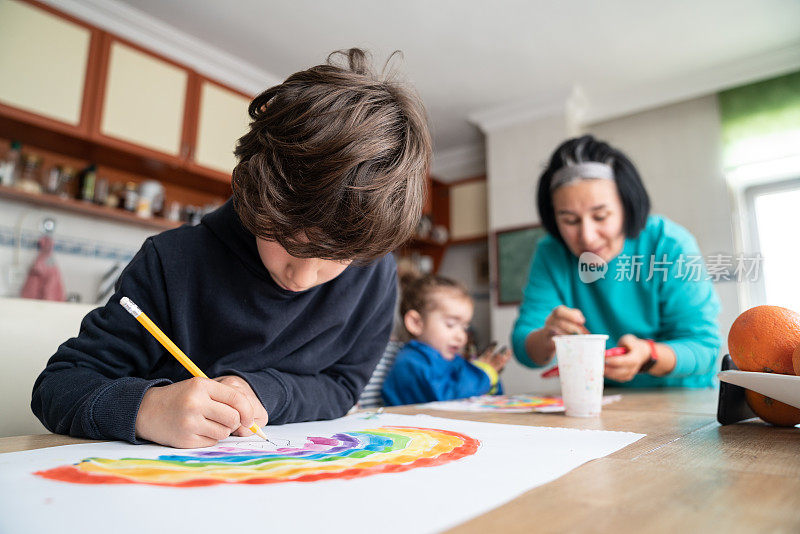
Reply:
x=259, y=412
x=193, y=413
x=497, y=360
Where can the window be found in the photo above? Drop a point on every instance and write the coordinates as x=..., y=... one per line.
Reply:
x=760, y=127
x=774, y=229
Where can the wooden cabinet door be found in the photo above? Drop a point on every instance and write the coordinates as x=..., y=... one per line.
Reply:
x=468, y=214
x=44, y=59
x=221, y=120
x=143, y=100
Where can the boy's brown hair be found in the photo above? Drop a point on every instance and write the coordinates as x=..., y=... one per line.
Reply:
x=335, y=162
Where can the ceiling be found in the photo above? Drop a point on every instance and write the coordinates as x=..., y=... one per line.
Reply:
x=468, y=57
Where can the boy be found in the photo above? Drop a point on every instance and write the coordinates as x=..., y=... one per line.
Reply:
x=285, y=295
x=436, y=312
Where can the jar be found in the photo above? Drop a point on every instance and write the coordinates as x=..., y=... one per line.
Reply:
x=130, y=197
x=30, y=179
x=101, y=191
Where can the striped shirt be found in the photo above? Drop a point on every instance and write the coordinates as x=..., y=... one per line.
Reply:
x=371, y=396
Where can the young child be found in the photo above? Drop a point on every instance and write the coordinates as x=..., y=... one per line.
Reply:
x=436, y=313
x=285, y=295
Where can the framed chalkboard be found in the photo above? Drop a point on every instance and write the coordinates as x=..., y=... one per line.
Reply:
x=515, y=249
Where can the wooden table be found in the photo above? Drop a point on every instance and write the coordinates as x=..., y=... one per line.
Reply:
x=689, y=474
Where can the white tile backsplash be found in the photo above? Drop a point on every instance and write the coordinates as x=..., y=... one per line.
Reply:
x=89, y=247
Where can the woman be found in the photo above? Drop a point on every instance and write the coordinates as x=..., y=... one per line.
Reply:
x=653, y=297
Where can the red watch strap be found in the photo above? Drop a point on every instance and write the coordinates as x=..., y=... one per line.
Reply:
x=653, y=353
x=646, y=366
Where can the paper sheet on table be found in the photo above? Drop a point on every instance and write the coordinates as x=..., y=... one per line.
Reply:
x=507, y=404
x=387, y=472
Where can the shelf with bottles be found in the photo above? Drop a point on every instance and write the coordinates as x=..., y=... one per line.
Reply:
x=50, y=179
x=69, y=145
x=426, y=249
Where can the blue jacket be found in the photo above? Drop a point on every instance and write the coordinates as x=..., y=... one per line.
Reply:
x=421, y=374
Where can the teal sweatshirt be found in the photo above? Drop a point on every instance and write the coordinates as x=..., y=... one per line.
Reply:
x=674, y=304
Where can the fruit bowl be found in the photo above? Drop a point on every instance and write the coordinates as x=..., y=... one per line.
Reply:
x=783, y=388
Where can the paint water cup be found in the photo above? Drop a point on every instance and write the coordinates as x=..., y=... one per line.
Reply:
x=581, y=360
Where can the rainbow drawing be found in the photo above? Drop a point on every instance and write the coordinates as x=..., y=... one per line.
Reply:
x=522, y=403
x=346, y=455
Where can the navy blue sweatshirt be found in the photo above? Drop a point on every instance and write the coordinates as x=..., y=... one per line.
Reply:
x=307, y=355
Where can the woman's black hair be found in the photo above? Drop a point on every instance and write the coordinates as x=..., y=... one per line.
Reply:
x=635, y=201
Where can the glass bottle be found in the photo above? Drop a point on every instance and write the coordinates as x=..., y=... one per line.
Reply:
x=86, y=185
x=10, y=165
x=53, y=180
x=115, y=192
x=101, y=191
x=30, y=179
x=131, y=196
x=65, y=184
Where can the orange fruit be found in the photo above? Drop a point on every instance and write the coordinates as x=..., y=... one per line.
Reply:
x=772, y=411
x=764, y=338
x=796, y=360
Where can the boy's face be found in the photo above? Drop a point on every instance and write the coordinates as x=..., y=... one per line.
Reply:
x=444, y=327
x=296, y=274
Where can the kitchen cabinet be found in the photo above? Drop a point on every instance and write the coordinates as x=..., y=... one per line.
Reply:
x=88, y=94
x=221, y=120
x=142, y=99
x=45, y=65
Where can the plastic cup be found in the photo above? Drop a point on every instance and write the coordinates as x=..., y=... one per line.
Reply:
x=581, y=359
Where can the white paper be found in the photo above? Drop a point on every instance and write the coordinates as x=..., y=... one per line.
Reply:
x=504, y=461
x=522, y=403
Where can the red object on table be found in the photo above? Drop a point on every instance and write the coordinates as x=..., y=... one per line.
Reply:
x=616, y=351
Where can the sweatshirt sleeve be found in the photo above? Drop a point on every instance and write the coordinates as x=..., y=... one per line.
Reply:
x=539, y=298
x=92, y=386
x=330, y=393
x=689, y=309
x=414, y=380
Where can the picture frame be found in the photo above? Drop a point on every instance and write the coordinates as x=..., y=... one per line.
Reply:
x=514, y=250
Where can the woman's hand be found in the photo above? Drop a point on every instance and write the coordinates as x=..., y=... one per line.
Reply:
x=624, y=367
x=563, y=321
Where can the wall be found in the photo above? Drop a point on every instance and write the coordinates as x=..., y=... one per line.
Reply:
x=676, y=149
x=515, y=157
x=31, y=331
x=94, y=247
x=460, y=262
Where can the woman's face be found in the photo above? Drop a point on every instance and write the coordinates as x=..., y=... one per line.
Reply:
x=590, y=217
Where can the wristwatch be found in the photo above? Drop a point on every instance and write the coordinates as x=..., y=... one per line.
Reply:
x=646, y=366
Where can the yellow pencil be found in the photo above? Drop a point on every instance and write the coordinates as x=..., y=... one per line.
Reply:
x=173, y=349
